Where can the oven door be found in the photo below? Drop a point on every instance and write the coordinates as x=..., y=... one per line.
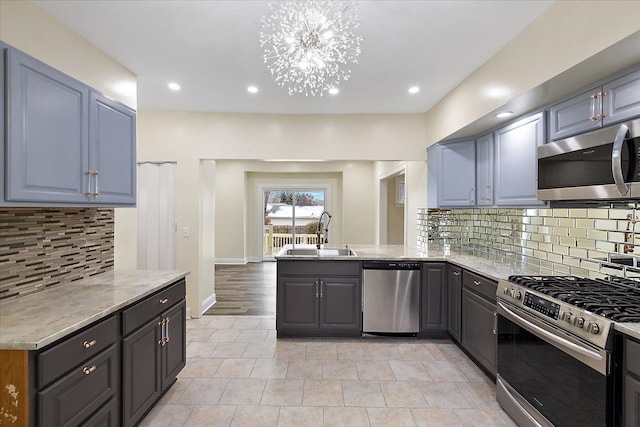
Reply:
x=546, y=377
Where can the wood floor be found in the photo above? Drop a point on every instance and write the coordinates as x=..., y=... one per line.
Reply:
x=248, y=289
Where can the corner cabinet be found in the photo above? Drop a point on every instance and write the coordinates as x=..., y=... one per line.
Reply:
x=615, y=101
x=319, y=298
x=516, y=162
x=631, y=382
x=433, y=300
x=457, y=174
x=66, y=144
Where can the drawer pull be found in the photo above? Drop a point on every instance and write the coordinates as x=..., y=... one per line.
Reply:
x=475, y=282
x=88, y=370
x=89, y=344
x=164, y=300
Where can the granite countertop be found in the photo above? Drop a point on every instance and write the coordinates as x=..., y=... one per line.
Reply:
x=495, y=268
x=36, y=320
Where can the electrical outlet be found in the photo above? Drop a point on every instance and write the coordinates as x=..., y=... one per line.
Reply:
x=185, y=231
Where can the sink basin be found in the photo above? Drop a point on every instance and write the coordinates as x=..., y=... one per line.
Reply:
x=320, y=252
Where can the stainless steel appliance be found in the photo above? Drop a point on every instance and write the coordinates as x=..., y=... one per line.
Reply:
x=391, y=297
x=598, y=165
x=556, y=349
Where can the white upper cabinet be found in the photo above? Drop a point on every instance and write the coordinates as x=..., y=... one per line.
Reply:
x=516, y=161
x=457, y=175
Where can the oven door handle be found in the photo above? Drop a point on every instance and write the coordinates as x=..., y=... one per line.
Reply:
x=547, y=335
x=616, y=160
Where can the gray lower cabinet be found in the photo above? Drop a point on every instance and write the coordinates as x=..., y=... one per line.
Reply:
x=322, y=298
x=65, y=144
x=631, y=400
x=454, y=301
x=433, y=296
x=152, y=356
x=516, y=162
x=479, y=317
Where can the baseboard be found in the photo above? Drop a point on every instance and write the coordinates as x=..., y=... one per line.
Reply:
x=232, y=261
x=208, y=302
x=254, y=259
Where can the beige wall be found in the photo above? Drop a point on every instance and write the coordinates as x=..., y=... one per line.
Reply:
x=566, y=34
x=395, y=212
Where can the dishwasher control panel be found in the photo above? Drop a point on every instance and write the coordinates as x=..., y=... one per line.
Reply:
x=391, y=265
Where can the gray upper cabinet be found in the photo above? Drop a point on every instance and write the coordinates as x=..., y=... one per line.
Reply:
x=484, y=170
x=574, y=116
x=516, y=164
x=47, y=138
x=65, y=143
x=613, y=102
x=621, y=99
x=457, y=175
x=112, y=150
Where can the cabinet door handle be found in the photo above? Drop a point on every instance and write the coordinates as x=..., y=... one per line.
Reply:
x=164, y=300
x=456, y=273
x=317, y=284
x=88, y=175
x=86, y=370
x=166, y=338
x=594, y=113
x=475, y=282
x=495, y=323
x=321, y=284
x=162, y=324
x=89, y=344
x=97, y=175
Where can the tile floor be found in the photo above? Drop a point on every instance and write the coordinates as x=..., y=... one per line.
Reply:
x=239, y=374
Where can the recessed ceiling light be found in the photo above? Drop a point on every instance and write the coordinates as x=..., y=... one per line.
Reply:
x=414, y=89
x=174, y=86
x=504, y=114
x=334, y=91
x=252, y=89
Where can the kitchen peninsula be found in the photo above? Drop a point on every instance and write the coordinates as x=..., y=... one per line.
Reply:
x=70, y=354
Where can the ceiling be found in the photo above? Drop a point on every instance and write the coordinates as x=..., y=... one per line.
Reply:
x=211, y=48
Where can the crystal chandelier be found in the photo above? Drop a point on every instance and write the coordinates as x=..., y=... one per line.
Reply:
x=309, y=45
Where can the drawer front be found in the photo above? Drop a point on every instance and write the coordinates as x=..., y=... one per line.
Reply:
x=479, y=284
x=632, y=356
x=61, y=358
x=152, y=306
x=72, y=399
x=319, y=268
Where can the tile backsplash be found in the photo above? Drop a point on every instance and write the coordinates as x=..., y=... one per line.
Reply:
x=42, y=247
x=593, y=242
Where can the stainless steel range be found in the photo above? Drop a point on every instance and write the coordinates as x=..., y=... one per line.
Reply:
x=556, y=352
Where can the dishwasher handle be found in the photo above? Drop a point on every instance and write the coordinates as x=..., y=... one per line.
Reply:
x=391, y=265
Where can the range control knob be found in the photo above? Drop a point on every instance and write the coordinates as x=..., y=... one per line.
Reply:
x=566, y=316
x=577, y=321
x=515, y=293
x=506, y=291
x=591, y=327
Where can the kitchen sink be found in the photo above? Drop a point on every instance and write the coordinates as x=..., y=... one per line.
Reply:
x=320, y=252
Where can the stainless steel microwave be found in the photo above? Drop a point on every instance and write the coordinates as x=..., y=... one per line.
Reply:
x=598, y=165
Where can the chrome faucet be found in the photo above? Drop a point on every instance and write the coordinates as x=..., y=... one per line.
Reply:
x=324, y=230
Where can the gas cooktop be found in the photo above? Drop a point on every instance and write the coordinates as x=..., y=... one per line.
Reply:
x=614, y=298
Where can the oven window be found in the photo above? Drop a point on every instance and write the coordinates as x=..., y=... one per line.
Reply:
x=585, y=167
x=563, y=389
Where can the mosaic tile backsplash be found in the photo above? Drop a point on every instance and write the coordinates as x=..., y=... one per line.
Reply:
x=590, y=242
x=43, y=247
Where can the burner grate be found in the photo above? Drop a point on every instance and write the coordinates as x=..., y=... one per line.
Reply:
x=614, y=298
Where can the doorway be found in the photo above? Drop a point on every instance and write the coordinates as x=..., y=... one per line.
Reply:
x=290, y=217
x=392, y=211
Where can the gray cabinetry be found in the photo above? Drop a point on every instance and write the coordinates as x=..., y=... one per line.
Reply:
x=454, y=299
x=631, y=399
x=65, y=143
x=479, y=317
x=457, y=174
x=516, y=161
x=79, y=375
x=484, y=170
x=153, y=354
x=433, y=299
x=615, y=101
x=319, y=298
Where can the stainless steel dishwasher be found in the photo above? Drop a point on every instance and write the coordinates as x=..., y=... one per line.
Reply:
x=391, y=297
